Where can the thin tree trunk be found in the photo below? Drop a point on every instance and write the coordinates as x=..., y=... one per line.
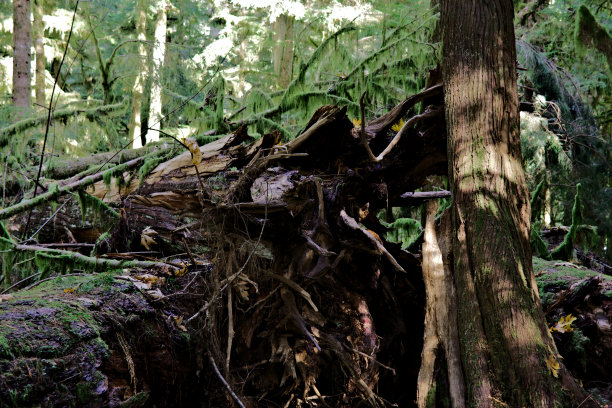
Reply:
x=440, y=313
x=136, y=119
x=21, y=55
x=283, y=49
x=39, y=41
x=159, y=52
x=505, y=342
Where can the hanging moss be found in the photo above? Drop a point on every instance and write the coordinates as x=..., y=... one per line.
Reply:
x=205, y=139
x=272, y=125
x=220, y=89
x=257, y=100
x=99, y=207
x=536, y=201
x=152, y=162
x=49, y=262
x=4, y=232
x=565, y=250
x=589, y=33
x=538, y=245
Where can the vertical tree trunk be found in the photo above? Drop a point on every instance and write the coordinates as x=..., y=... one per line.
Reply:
x=440, y=334
x=505, y=341
x=135, y=118
x=21, y=53
x=283, y=49
x=159, y=52
x=39, y=44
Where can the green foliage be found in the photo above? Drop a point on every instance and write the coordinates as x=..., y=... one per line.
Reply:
x=537, y=243
x=590, y=33
x=97, y=206
x=565, y=250
x=404, y=231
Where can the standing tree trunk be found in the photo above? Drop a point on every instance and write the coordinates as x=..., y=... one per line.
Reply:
x=283, y=49
x=21, y=53
x=508, y=354
x=159, y=52
x=39, y=44
x=136, y=119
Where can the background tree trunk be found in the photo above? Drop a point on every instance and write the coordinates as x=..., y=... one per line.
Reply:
x=21, y=53
x=283, y=49
x=159, y=52
x=39, y=43
x=504, y=337
x=141, y=78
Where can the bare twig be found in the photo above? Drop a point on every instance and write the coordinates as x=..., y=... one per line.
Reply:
x=426, y=195
x=351, y=223
x=225, y=384
x=301, y=291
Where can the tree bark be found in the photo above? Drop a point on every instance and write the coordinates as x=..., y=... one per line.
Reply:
x=283, y=50
x=504, y=338
x=21, y=53
x=39, y=41
x=440, y=336
x=135, y=118
x=159, y=52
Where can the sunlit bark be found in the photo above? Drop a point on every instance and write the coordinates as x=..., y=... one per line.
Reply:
x=504, y=338
x=21, y=54
x=283, y=49
x=159, y=52
x=39, y=28
x=136, y=119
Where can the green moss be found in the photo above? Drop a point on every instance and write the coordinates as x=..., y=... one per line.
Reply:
x=588, y=32
x=565, y=250
x=138, y=400
x=84, y=392
x=537, y=243
x=98, y=207
x=578, y=343
x=4, y=232
x=5, y=349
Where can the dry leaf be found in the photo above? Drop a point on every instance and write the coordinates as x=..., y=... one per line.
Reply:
x=194, y=149
x=151, y=280
x=70, y=290
x=564, y=325
x=398, y=126
x=178, y=321
x=147, y=239
x=242, y=290
x=553, y=365
x=5, y=297
x=356, y=122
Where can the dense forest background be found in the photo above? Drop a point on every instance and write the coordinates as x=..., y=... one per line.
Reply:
x=212, y=162
x=272, y=63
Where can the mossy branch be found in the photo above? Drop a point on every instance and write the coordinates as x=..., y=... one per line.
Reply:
x=29, y=123
x=565, y=249
x=83, y=260
x=590, y=33
x=55, y=192
x=535, y=200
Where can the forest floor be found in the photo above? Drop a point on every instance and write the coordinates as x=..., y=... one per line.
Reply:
x=110, y=339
